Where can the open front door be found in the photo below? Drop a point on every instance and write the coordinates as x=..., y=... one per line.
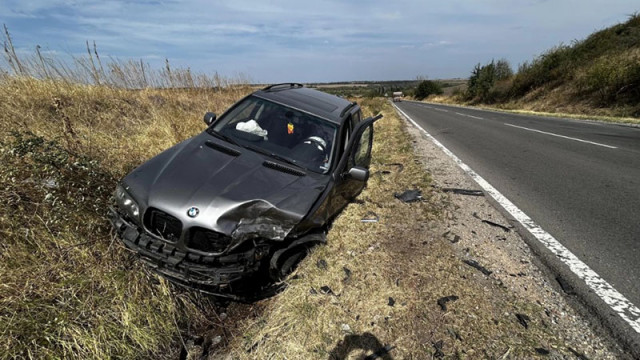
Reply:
x=352, y=172
x=350, y=176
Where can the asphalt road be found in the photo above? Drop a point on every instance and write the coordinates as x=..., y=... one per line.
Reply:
x=580, y=181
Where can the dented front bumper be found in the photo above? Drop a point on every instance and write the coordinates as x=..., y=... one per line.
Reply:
x=226, y=274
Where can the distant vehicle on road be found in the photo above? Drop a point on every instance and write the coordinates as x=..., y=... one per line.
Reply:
x=397, y=96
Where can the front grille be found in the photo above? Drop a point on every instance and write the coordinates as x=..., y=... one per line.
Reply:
x=208, y=241
x=164, y=225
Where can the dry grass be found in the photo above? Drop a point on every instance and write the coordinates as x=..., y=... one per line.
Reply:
x=68, y=290
x=403, y=257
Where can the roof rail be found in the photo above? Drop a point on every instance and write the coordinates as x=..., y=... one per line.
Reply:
x=344, y=111
x=290, y=85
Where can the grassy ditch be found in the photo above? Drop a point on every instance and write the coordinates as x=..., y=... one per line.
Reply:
x=376, y=287
x=68, y=290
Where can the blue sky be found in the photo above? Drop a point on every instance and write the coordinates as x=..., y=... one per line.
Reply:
x=310, y=41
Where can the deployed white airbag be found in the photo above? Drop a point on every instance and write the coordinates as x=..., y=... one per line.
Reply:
x=252, y=127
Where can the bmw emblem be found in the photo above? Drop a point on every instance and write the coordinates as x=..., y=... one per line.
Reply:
x=193, y=212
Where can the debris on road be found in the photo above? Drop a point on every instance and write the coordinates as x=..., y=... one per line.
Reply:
x=489, y=222
x=523, y=320
x=447, y=235
x=347, y=274
x=542, y=351
x=397, y=168
x=409, y=196
x=442, y=302
x=474, y=264
x=326, y=290
x=463, y=191
x=380, y=353
x=564, y=285
x=391, y=301
x=370, y=217
x=438, y=346
x=579, y=355
x=322, y=264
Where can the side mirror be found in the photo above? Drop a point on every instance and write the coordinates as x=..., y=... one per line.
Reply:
x=209, y=118
x=359, y=173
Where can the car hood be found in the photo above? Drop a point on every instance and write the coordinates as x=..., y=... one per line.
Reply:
x=235, y=193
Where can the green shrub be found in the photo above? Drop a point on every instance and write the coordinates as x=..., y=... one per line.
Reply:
x=426, y=88
x=483, y=78
x=611, y=78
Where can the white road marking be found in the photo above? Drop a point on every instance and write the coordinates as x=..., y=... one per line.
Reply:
x=471, y=116
x=562, y=136
x=616, y=301
x=443, y=110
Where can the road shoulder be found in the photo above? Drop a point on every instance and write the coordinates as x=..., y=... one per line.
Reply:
x=473, y=219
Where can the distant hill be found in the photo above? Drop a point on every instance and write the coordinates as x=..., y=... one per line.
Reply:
x=597, y=75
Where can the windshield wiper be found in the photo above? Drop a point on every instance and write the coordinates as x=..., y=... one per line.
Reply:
x=223, y=137
x=275, y=156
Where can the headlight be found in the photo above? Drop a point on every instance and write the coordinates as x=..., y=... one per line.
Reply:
x=126, y=203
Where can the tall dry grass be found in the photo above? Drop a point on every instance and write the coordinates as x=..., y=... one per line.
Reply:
x=92, y=69
x=68, y=131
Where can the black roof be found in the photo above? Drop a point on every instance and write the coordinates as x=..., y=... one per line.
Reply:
x=316, y=102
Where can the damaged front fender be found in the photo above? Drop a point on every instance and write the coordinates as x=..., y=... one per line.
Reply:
x=258, y=219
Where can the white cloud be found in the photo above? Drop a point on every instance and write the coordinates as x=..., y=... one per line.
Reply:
x=312, y=40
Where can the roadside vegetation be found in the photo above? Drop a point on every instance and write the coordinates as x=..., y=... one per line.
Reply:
x=599, y=75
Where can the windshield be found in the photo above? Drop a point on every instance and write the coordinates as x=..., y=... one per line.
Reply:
x=281, y=132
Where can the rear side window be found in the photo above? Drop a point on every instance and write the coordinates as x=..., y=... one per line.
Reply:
x=357, y=117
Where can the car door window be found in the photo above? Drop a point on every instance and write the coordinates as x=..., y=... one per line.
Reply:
x=362, y=151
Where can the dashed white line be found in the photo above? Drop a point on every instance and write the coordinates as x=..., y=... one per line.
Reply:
x=616, y=301
x=562, y=136
x=471, y=116
x=443, y=110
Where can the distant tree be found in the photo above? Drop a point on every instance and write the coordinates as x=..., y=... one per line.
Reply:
x=503, y=69
x=472, y=85
x=484, y=77
x=426, y=88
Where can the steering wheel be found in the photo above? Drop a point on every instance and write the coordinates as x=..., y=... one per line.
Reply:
x=318, y=142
